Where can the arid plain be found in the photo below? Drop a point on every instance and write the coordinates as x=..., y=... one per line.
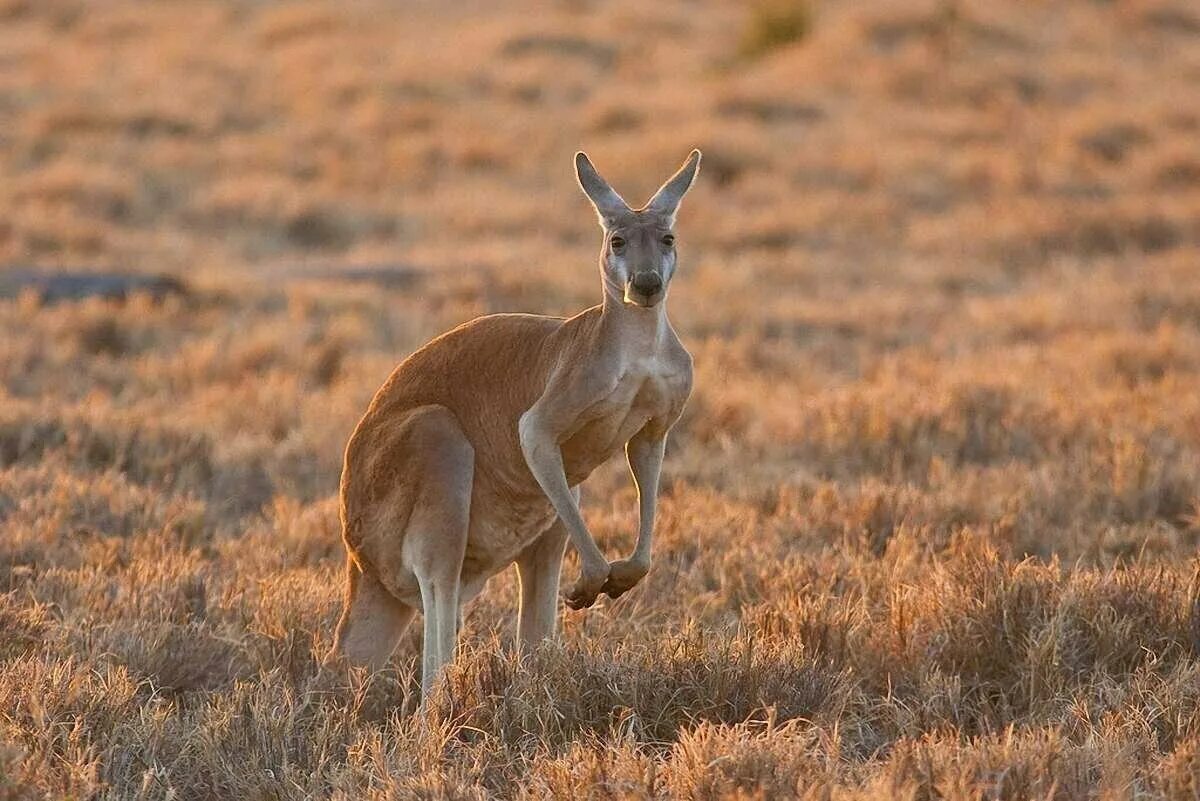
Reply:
x=929, y=523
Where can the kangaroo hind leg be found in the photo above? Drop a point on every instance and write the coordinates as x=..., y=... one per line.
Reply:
x=372, y=621
x=538, y=568
x=435, y=540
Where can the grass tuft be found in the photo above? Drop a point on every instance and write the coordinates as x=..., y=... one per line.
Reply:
x=775, y=24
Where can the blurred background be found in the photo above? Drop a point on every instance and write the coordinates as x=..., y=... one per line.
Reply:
x=938, y=274
x=951, y=204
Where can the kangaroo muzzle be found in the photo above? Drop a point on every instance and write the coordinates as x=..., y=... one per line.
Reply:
x=645, y=289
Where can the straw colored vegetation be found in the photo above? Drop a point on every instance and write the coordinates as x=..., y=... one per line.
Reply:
x=928, y=524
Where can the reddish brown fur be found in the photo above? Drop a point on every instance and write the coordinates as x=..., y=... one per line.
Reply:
x=470, y=371
x=470, y=455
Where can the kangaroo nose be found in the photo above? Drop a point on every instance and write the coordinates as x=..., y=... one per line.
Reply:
x=647, y=283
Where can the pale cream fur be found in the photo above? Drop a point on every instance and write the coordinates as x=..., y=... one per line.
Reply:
x=470, y=456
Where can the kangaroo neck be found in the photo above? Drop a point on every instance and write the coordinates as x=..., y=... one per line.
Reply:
x=633, y=326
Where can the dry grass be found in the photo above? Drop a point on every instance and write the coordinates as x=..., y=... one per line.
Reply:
x=930, y=521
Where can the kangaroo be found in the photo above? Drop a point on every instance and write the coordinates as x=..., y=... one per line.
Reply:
x=470, y=456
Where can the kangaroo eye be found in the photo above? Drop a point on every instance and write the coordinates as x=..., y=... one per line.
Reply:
x=669, y=240
x=617, y=243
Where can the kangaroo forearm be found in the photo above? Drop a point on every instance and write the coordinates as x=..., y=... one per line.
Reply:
x=553, y=482
x=645, y=462
x=544, y=458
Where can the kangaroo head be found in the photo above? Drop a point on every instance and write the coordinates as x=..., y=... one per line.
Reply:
x=638, y=256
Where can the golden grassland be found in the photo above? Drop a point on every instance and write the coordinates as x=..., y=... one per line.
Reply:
x=929, y=523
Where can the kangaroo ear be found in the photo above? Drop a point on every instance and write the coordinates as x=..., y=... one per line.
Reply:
x=666, y=199
x=608, y=203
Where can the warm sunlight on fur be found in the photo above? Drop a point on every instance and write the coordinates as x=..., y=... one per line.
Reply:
x=471, y=455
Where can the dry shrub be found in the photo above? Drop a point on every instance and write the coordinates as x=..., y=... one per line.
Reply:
x=1179, y=772
x=594, y=770
x=654, y=694
x=758, y=759
x=774, y=24
x=145, y=454
x=327, y=364
x=174, y=659
x=1004, y=766
x=23, y=627
x=877, y=431
x=91, y=190
x=1113, y=143
x=103, y=336
x=1180, y=174
x=271, y=216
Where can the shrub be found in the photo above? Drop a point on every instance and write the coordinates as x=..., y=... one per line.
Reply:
x=774, y=24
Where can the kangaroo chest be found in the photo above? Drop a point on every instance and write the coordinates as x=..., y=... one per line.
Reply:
x=647, y=389
x=509, y=510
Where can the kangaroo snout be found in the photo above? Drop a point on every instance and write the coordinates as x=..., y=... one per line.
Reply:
x=647, y=284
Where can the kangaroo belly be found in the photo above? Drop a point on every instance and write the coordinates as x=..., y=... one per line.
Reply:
x=507, y=513
x=598, y=441
x=503, y=522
